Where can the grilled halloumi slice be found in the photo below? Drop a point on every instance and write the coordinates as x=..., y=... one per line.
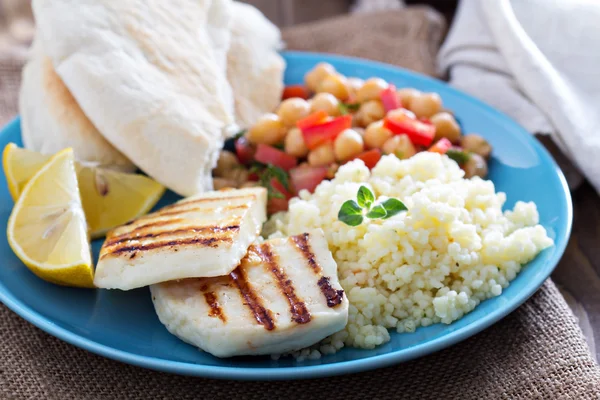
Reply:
x=200, y=236
x=284, y=296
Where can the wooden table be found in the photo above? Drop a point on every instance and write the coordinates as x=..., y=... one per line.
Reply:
x=578, y=273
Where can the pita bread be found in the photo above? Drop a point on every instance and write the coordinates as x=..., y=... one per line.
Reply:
x=254, y=68
x=51, y=119
x=145, y=73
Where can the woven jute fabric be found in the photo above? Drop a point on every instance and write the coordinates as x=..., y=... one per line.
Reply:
x=408, y=38
x=537, y=352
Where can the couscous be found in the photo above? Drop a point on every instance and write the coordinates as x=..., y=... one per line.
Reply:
x=453, y=248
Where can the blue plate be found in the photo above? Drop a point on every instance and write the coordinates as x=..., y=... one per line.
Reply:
x=123, y=325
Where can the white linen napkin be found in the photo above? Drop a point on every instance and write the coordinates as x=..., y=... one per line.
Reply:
x=537, y=61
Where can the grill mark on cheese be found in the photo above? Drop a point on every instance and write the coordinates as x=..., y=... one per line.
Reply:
x=142, y=228
x=332, y=296
x=301, y=243
x=261, y=314
x=300, y=313
x=213, y=304
x=202, y=241
x=197, y=230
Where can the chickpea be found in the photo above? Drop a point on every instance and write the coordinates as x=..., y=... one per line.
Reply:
x=348, y=144
x=400, y=146
x=476, y=144
x=238, y=175
x=294, y=143
x=475, y=166
x=400, y=113
x=376, y=134
x=292, y=110
x=250, y=184
x=446, y=127
x=370, y=112
x=331, y=170
x=268, y=130
x=227, y=160
x=326, y=102
x=314, y=77
x=406, y=95
x=222, y=183
x=360, y=131
x=335, y=84
x=322, y=155
x=371, y=89
x=425, y=105
x=355, y=84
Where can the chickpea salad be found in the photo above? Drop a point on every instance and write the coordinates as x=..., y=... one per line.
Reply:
x=332, y=119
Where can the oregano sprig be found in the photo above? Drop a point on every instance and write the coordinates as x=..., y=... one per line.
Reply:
x=354, y=212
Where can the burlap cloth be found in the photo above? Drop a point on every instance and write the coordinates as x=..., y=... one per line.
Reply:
x=536, y=352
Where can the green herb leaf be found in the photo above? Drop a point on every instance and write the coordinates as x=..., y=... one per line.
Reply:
x=377, y=212
x=346, y=108
x=393, y=207
x=343, y=109
x=350, y=213
x=365, y=197
x=461, y=157
x=281, y=175
x=274, y=194
x=266, y=172
x=239, y=134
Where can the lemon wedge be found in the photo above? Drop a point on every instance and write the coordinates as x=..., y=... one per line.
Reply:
x=47, y=228
x=19, y=166
x=110, y=198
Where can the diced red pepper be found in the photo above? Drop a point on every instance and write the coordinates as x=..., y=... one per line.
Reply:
x=316, y=135
x=270, y=155
x=316, y=118
x=441, y=146
x=295, y=91
x=370, y=158
x=307, y=177
x=244, y=150
x=389, y=99
x=420, y=133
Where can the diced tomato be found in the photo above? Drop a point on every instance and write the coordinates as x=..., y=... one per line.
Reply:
x=244, y=150
x=295, y=91
x=316, y=118
x=420, y=133
x=275, y=204
x=370, y=158
x=278, y=186
x=270, y=155
x=307, y=177
x=441, y=146
x=253, y=177
x=316, y=135
x=389, y=98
